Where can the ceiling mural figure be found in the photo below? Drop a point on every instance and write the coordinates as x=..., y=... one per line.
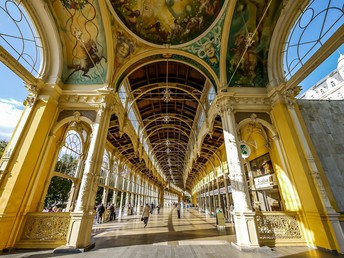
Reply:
x=124, y=48
x=208, y=48
x=169, y=21
x=248, y=51
x=80, y=26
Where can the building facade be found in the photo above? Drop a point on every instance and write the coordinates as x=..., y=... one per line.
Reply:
x=330, y=87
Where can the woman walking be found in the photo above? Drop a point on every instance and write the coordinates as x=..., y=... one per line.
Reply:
x=145, y=214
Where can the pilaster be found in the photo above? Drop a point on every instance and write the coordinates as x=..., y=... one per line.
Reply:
x=314, y=208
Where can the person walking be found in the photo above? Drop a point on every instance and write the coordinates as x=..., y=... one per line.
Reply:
x=152, y=208
x=145, y=214
x=178, y=210
x=158, y=208
x=112, y=212
x=100, y=211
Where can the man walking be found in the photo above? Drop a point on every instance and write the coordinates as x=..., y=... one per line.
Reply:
x=145, y=215
x=178, y=210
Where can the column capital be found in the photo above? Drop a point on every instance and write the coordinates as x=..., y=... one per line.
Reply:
x=224, y=104
x=285, y=96
x=33, y=90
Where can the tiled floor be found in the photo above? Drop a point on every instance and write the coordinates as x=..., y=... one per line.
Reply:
x=194, y=235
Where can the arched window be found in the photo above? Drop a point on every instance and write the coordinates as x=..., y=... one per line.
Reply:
x=66, y=172
x=104, y=171
x=211, y=95
x=18, y=36
x=113, y=174
x=201, y=121
x=69, y=154
x=315, y=25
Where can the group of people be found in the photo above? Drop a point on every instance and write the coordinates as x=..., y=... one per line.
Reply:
x=100, y=212
x=54, y=208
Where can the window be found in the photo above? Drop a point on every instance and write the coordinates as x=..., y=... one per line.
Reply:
x=18, y=36
x=264, y=188
x=69, y=155
x=315, y=25
x=201, y=121
x=104, y=169
x=211, y=95
x=123, y=95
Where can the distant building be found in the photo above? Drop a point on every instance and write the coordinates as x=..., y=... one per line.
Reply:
x=330, y=87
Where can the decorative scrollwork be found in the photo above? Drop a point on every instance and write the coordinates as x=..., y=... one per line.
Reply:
x=277, y=226
x=45, y=227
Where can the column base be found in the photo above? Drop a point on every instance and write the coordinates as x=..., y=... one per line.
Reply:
x=72, y=250
x=245, y=229
x=79, y=235
x=338, y=228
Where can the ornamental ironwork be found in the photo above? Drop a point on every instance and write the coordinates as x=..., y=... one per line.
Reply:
x=278, y=226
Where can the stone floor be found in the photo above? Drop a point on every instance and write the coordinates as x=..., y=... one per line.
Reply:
x=193, y=235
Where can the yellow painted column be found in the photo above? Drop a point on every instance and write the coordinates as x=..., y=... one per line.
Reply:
x=22, y=169
x=318, y=228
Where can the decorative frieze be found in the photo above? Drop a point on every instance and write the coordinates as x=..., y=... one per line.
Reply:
x=46, y=227
x=82, y=99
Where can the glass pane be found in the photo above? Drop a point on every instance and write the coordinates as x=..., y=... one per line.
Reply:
x=316, y=24
x=18, y=36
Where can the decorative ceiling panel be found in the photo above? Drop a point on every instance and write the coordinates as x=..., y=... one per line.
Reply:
x=167, y=21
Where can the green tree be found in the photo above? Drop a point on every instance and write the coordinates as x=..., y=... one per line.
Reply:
x=3, y=144
x=58, y=191
x=99, y=195
x=67, y=164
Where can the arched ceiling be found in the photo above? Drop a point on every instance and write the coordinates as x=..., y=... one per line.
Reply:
x=130, y=40
x=167, y=21
x=168, y=112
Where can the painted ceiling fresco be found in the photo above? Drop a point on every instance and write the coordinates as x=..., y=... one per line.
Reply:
x=208, y=47
x=250, y=34
x=167, y=21
x=84, y=44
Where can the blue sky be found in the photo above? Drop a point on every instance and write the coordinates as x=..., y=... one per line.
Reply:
x=12, y=95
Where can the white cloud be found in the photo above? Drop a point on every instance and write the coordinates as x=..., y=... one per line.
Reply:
x=10, y=112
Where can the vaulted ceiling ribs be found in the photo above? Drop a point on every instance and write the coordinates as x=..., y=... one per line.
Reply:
x=166, y=94
x=167, y=98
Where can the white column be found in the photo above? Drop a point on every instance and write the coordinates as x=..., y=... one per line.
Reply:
x=82, y=218
x=225, y=178
x=115, y=192
x=246, y=233
x=132, y=195
x=127, y=197
x=121, y=201
x=208, y=210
